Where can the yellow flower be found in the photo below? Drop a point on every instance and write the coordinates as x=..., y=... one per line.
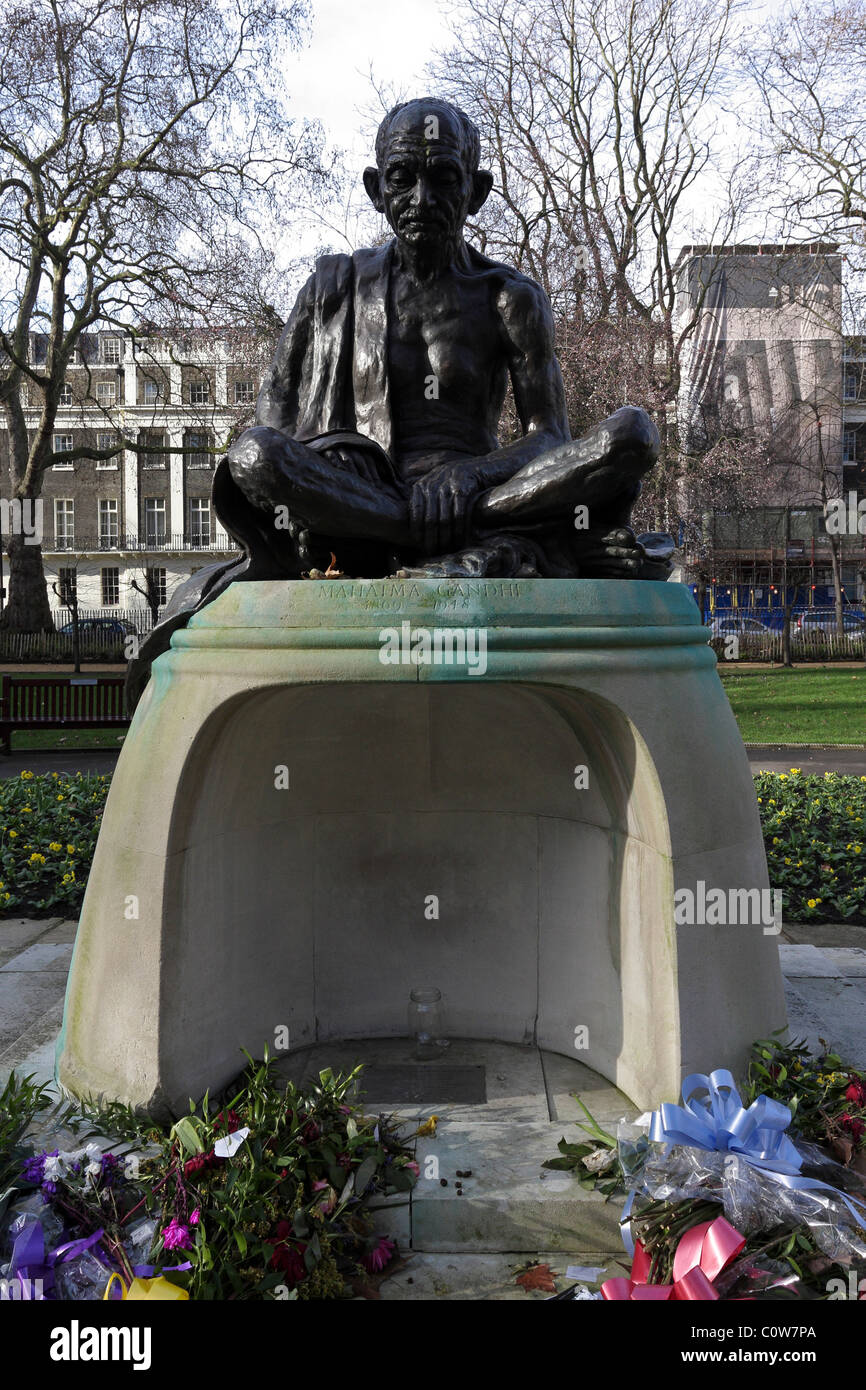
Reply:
x=796, y=769
x=783, y=776
x=771, y=802
x=857, y=849
x=26, y=776
x=61, y=798
x=70, y=849
x=7, y=896
x=13, y=834
x=787, y=861
x=37, y=859
x=27, y=808
x=55, y=846
x=760, y=799
x=812, y=902
x=776, y=840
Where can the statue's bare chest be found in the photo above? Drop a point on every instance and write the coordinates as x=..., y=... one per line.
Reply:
x=450, y=329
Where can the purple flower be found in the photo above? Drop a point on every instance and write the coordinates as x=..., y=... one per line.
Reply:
x=110, y=1165
x=34, y=1168
x=176, y=1236
x=381, y=1255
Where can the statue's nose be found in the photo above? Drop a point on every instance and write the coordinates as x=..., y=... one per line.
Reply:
x=422, y=196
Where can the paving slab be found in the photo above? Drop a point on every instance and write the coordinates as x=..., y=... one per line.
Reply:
x=32, y=1052
x=824, y=933
x=47, y=957
x=25, y=996
x=61, y=931
x=807, y=962
x=18, y=932
x=830, y=1008
x=456, y=1277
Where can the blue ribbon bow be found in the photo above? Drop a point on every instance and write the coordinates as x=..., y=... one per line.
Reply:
x=712, y=1116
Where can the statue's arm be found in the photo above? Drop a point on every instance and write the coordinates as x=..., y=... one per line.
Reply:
x=277, y=404
x=527, y=325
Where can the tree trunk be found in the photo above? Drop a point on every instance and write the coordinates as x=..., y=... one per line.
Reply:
x=27, y=608
x=836, y=567
x=786, y=636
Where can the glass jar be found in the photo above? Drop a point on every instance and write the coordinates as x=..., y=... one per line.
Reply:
x=425, y=1023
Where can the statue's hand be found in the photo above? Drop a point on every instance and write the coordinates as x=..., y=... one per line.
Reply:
x=617, y=554
x=440, y=505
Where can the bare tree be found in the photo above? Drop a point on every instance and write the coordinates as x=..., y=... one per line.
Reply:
x=599, y=119
x=146, y=150
x=807, y=65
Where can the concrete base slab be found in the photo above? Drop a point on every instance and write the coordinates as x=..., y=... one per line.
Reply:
x=482, y=1278
x=510, y=1202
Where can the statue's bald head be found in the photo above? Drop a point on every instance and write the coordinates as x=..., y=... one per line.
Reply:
x=437, y=120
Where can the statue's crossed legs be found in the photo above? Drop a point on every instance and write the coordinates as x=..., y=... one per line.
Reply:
x=333, y=492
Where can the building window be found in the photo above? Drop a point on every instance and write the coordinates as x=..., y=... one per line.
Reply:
x=245, y=392
x=152, y=392
x=67, y=585
x=199, y=392
x=849, y=446
x=109, y=523
x=199, y=521
x=155, y=582
x=110, y=586
x=64, y=523
x=106, y=392
x=107, y=441
x=196, y=450
x=152, y=453
x=63, y=444
x=65, y=397
x=154, y=521
x=111, y=350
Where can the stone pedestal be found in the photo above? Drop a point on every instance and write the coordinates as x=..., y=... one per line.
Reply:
x=300, y=831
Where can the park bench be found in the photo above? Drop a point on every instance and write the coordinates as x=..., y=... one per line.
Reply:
x=60, y=702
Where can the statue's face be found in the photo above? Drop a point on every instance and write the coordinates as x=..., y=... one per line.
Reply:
x=425, y=186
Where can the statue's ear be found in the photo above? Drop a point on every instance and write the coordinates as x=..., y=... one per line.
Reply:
x=371, y=183
x=482, y=182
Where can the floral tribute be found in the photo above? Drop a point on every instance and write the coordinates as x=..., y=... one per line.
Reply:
x=729, y=1196
x=269, y=1194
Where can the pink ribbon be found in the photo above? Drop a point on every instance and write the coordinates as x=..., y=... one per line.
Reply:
x=700, y=1257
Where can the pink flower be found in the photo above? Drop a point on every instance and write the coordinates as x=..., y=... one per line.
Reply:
x=176, y=1236
x=330, y=1200
x=413, y=1167
x=194, y=1218
x=381, y=1255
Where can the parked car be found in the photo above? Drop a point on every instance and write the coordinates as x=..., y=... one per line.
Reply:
x=109, y=629
x=740, y=624
x=854, y=624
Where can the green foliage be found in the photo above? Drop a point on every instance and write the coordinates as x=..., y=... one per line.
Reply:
x=48, y=830
x=20, y=1102
x=827, y=1099
x=815, y=837
x=289, y=1209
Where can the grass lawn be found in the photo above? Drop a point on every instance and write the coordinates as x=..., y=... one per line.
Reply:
x=802, y=705
x=31, y=740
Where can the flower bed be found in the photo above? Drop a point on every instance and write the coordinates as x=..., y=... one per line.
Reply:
x=815, y=837
x=269, y=1194
x=48, y=830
